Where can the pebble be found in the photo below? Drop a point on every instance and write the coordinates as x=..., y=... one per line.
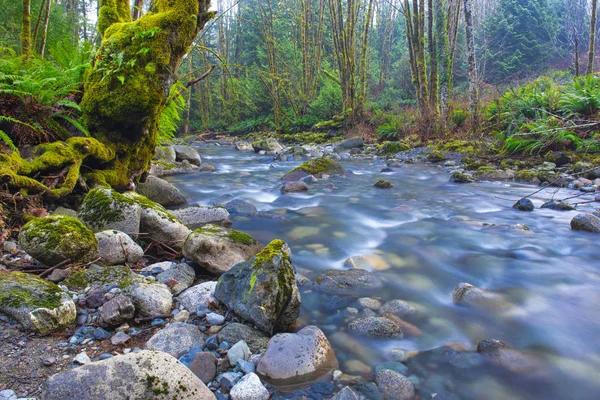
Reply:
x=158, y=322
x=101, y=334
x=215, y=319
x=246, y=367
x=82, y=359
x=238, y=351
x=119, y=338
x=181, y=316
x=228, y=379
x=212, y=342
x=104, y=356
x=49, y=361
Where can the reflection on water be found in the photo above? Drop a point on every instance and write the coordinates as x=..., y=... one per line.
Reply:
x=426, y=236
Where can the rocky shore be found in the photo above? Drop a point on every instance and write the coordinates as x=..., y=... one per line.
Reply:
x=138, y=301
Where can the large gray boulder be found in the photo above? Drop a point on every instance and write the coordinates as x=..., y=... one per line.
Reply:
x=235, y=332
x=159, y=224
x=166, y=154
x=178, y=277
x=352, y=143
x=316, y=167
x=58, y=238
x=176, y=339
x=217, y=249
x=197, y=216
x=270, y=145
x=263, y=290
x=161, y=192
x=36, y=303
x=586, y=222
x=116, y=247
x=140, y=375
x=184, y=152
x=353, y=281
x=104, y=209
x=297, y=358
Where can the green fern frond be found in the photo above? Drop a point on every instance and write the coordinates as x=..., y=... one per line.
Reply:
x=7, y=140
x=74, y=122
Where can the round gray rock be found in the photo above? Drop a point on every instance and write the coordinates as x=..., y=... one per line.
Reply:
x=151, y=298
x=162, y=192
x=197, y=216
x=184, y=152
x=116, y=247
x=377, y=327
x=350, y=281
x=176, y=339
x=394, y=385
x=178, y=277
x=235, y=332
x=140, y=375
x=199, y=295
x=586, y=222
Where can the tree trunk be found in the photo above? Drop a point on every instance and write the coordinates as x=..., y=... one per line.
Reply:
x=137, y=9
x=123, y=98
x=26, y=29
x=577, y=72
x=591, y=55
x=45, y=28
x=472, y=67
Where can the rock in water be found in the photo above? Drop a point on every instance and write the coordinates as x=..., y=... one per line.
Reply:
x=176, y=339
x=394, y=385
x=352, y=143
x=217, y=249
x=377, y=327
x=162, y=192
x=316, y=167
x=263, y=290
x=297, y=358
x=294, y=187
x=197, y=216
x=36, y=303
x=140, y=375
x=104, y=209
x=57, y=238
x=184, y=152
x=502, y=355
x=524, y=205
x=350, y=281
x=381, y=184
x=116, y=247
x=586, y=222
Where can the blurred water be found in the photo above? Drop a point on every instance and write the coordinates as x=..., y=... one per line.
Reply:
x=431, y=236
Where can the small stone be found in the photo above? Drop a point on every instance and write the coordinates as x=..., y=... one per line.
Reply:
x=82, y=359
x=215, y=319
x=375, y=327
x=228, y=379
x=158, y=322
x=238, y=351
x=204, y=366
x=116, y=311
x=181, y=316
x=524, y=205
x=369, y=303
x=246, y=366
x=104, y=356
x=119, y=338
x=249, y=388
x=176, y=339
x=8, y=395
x=294, y=187
x=345, y=394
x=212, y=342
x=101, y=334
x=394, y=385
x=48, y=362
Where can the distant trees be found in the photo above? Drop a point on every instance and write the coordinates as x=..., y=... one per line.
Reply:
x=591, y=53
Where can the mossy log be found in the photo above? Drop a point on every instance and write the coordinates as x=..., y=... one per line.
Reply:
x=125, y=91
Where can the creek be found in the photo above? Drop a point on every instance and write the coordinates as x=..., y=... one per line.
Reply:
x=427, y=235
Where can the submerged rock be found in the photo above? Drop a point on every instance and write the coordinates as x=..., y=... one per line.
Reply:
x=217, y=249
x=242, y=207
x=116, y=247
x=502, y=355
x=294, y=187
x=381, y=184
x=558, y=205
x=350, y=281
x=161, y=192
x=197, y=216
x=140, y=375
x=394, y=385
x=58, y=238
x=316, y=167
x=297, y=358
x=586, y=222
x=263, y=290
x=35, y=303
x=104, y=209
x=524, y=205
x=469, y=295
x=377, y=327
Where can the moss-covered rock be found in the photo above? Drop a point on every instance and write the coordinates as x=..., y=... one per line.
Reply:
x=493, y=174
x=263, y=290
x=104, y=209
x=36, y=303
x=57, y=238
x=217, y=249
x=460, y=177
x=316, y=167
x=391, y=148
x=527, y=176
x=381, y=184
x=270, y=145
x=436, y=156
x=460, y=146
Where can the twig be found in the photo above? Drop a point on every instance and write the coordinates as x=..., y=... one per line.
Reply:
x=142, y=319
x=49, y=270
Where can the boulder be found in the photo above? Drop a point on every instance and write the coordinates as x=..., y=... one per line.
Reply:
x=116, y=247
x=269, y=145
x=35, y=303
x=116, y=311
x=197, y=216
x=235, y=332
x=160, y=225
x=353, y=281
x=586, y=222
x=176, y=339
x=104, y=209
x=58, y=238
x=201, y=295
x=524, y=204
x=161, y=192
x=243, y=146
x=436, y=156
x=240, y=207
x=294, y=187
x=178, y=277
x=376, y=327
x=249, y=388
x=187, y=153
x=151, y=298
x=139, y=375
x=352, y=143
x=558, y=205
x=297, y=358
x=460, y=177
x=316, y=167
x=217, y=249
x=469, y=295
x=263, y=290
x=166, y=154
x=381, y=184
x=204, y=366
x=394, y=385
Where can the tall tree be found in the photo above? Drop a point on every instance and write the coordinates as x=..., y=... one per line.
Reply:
x=26, y=29
x=472, y=66
x=48, y=4
x=591, y=52
x=415, y=35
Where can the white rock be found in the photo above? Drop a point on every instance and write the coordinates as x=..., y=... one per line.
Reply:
x=115, y=247
x=249, y=388
x=199, y=295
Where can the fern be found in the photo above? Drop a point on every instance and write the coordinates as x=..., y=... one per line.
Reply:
x=169, y=119
x=73, y=122
x=7, y=140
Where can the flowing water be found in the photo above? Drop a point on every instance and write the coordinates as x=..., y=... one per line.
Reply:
x=428, y=235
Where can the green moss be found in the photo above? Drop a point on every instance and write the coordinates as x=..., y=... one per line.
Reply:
x=273, y=249
x=147, y=204
x=240, y=237
x=458, y=177
x=23, y=290
x=461, y=146
x=118, y=275
x=526, y=175
x=389, y=148
x=436, y=156
x=471, y=164
x=485, y=170
x=381, y=184
x=167, y=166
x=318, y=166
x=225, y=233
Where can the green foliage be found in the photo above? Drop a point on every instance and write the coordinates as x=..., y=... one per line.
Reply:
x=458, y=117
x=251, y=125
x=396, y=126
x=582, y=98
x=169, y=119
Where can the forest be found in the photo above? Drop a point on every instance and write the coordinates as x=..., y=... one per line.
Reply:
x=299, y=200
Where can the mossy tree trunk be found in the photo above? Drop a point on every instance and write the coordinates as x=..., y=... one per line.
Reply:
x=26, y=29
x=591, y=52
x=131, y=77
